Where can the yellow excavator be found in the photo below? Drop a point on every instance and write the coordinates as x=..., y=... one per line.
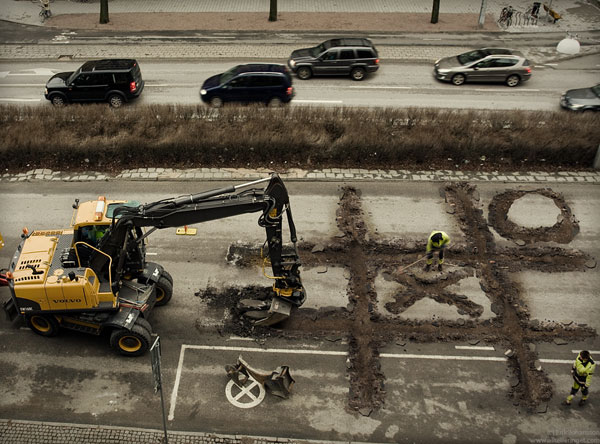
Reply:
x=94, y=275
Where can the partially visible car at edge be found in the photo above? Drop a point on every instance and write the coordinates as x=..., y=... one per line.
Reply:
x=355, y=57
x=582, y=99
x=484, y=65
x=115, y=81
x=268, y=83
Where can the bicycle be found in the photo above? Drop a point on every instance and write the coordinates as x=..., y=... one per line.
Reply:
x=506, y=16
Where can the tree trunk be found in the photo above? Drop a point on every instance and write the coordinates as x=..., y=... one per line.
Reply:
x=104, y=12
x=435, y=12
x=273, y=11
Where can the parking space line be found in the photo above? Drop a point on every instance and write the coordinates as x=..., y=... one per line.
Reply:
x=339, y=353
x=593, y=352
x=19, y=100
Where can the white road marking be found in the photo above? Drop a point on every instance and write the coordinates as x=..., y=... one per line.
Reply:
x=551, y=64
x=593, y=352
x=504, y=90
x=151, y=254
x=471, y=347
x=432, y=39
x=239, y=338
x=284, y=351
x=19, y=100
x=176, y=385
x=245, y=392
x=316, y=101
x=379, y=87
x=330, y=353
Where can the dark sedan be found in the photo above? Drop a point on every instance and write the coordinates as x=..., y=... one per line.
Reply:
x=583, y=99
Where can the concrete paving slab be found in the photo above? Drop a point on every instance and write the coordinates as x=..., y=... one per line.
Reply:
x=327, y=289
x=533, y=211
x=471, y=288
x=388, y=217
x=560, y=297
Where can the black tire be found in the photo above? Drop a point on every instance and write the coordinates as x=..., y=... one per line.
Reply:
x=458, y=79
x=168, y=276
x=358, y=74
x=115, y=101
x=164, y=291
x=43, y=325
x=216, y=102
x=513, y=80
x=144, y=324
x=134, y=342
x=304, y=73
x=58, y=100
x=275, y=102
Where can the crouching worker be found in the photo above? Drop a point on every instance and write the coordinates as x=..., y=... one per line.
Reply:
x=438, y=240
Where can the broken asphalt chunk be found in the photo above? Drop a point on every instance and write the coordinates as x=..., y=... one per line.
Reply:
x=365, y=411
x=542, y=408
x=318, y=248
x=559, y=341
x=509, y=353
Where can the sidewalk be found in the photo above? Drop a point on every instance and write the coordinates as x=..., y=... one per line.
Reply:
x=577, y=15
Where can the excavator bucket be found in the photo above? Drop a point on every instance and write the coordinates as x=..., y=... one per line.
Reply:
x=278, y=382
x=279, y=310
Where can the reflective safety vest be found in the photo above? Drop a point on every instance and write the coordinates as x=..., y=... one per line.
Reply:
x=583, y=371
x=437, y=245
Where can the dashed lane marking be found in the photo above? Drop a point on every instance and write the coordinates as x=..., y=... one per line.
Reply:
x=317, y=101
x=19, y=100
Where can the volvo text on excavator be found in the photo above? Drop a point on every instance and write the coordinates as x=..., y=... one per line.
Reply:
x=94, y=276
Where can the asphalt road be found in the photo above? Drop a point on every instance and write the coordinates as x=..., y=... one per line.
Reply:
x=434, y=392
x=394, y=85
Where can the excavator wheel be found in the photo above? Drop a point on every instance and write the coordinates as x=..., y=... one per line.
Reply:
x=164, y=291
x=134, y=342
x=144, y=323
x=168, y=276
x=43, y=325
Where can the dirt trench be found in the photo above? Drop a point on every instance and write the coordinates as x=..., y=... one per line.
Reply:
x=366, y=255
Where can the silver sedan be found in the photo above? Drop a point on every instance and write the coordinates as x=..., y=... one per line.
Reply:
x=484, y=65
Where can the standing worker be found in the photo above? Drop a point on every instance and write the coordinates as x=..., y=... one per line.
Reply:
x=582, y=371
x=437, y=242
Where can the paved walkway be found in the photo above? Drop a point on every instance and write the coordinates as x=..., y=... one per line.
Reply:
x=328, y=174
x=577, y=15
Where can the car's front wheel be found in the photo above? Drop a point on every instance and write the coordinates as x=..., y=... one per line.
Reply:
x=304, y=73
x=513, y=80
x=216, y=102
x=57, y=100
x=458, y=79
x=115, y=101
x=358, y=74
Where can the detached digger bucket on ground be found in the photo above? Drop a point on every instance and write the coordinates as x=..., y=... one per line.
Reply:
x=278, y=382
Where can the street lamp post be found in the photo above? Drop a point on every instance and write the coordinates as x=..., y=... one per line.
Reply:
x=482, y=13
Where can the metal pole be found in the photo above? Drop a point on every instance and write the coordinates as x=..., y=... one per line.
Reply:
x=482, y=13
x=597, y=159
x=162, y=403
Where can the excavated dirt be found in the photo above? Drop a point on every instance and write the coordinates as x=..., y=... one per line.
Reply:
x=366, y=255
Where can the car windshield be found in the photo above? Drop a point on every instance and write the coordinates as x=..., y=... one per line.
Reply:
x=228, y=75
x=314, y=52
x=596, y=90
x=73, y=76
x=469, y=57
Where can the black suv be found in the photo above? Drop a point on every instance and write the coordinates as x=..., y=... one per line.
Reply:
x=348, y=56
x=110, y=80
x=254, y=82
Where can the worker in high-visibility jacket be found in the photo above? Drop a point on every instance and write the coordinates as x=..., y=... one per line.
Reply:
x=438, y=240
x=582, y=371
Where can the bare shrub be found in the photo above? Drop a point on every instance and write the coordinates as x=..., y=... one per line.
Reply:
x=97, y=137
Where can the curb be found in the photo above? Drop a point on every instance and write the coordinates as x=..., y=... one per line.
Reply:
x=326, y=174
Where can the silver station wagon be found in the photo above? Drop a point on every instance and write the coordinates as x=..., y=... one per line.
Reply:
x=484, y=65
